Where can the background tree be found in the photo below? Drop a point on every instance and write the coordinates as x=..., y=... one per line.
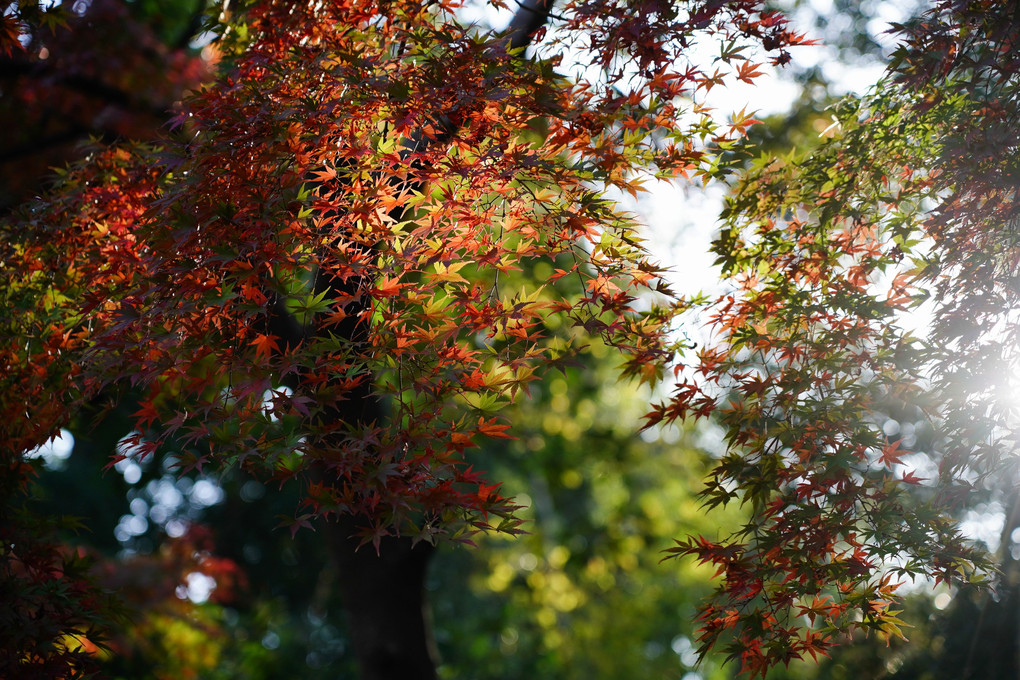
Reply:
x=104, y=69
x=911, y=203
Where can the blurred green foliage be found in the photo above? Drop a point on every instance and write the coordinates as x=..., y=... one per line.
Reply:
x=582, y=595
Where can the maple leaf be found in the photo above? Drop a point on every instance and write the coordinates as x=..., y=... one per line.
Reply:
x=10, y=34
x=891, y=455
x=265, y=346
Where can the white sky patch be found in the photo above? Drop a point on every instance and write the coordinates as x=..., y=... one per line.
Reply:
x=683, y=219
x=176, y=528
x=131, y=470
x=271, y=397
x=55, y=452
x=984, y=523
x=197, y=587
x=129, y=527
x=128, y=466
x=205, y=493
x=484, y=15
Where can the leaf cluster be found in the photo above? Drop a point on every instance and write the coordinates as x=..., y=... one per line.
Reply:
x=909, y=206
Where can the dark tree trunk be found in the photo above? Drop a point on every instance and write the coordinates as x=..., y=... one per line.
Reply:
x=385, y=600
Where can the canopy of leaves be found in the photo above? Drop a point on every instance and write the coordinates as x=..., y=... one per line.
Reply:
x=290, y=196
x=336, y=222
x=909, y=207
x=325, y=272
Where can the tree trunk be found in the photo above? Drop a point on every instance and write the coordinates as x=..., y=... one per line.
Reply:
x=385, y=600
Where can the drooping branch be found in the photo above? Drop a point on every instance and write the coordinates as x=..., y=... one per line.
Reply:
x=531, y=16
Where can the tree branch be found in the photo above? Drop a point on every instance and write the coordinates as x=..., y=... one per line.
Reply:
x=530, y=17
